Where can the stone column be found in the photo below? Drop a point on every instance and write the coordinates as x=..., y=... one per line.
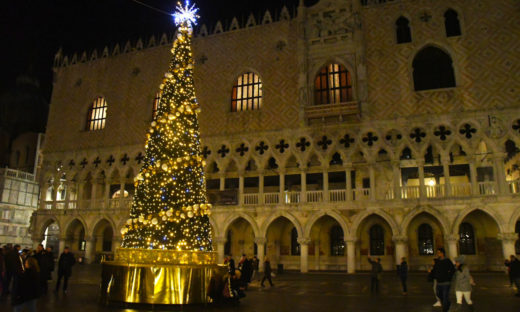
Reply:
x=67, y=194
x=260, y=247
x=303, y=178
x=43, y=195
x=62, y=244
x=241, y=188
x=106, y=193
x=282, y=187
x=116, y=242
x=473, y=177
x=351, y=255
x=222, y=182
x=372, y=174
x=221, y=243
x=508, y=243
x=122, y=193
x=422, y=190
x=396, y=183
x=401, y=248
x=446, y=172
x=304, y=253
x=93, y=192
x=500, y=174
x=348, y=177
x=261, y=187
x=451, y=241
x=55, y=186
x=90, y=249
x=326, y=184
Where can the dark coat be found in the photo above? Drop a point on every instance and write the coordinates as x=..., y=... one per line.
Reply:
x=13, y=262
x=27, y=287
x=65, y=264
x=43, y=262
x=231, y=265
x=514, y=266
x=376, y=268
x=443, y=270
x=267, y=268
x=402, y=270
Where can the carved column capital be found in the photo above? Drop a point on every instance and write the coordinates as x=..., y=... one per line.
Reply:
x=260, y=240
x=508, y=237
x=304, y=240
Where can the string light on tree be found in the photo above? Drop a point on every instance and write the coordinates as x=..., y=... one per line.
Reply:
x=170, y=210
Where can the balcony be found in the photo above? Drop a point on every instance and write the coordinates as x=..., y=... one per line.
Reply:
x=332, y=110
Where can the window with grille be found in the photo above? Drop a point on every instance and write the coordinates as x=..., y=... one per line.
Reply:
x=337, y=244
x=451, y=23
x=403, y=32
x=466, y=239
x=156, y=102
x=425, y=239
x=333, y=85
x=295, y=246
x=247, y=93
x=97, y=115
x=377, y=240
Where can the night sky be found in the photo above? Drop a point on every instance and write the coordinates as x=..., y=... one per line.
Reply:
x=33, y=30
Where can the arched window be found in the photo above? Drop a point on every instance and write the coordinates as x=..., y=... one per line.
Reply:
x=432, y=69
x=402, y=31
x=451, y=23
x=337, y=244
x=332, y=85
x=227, y=245
x=377, y=240
x=247, y=93
x=97, y=115
x=467, y=239
x=156, y=102
x=295, y=246
x=425, y=239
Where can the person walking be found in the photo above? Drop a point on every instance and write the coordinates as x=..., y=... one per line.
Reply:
x=514, y=266
x=463, y=283
x=43, y=263
x=402, y=271
x=267, y=272
x=375, y=274
x=27, y=288
x=507, y=263
x=443, y=272
x=65, y=269
x=255, y=263
x=431, y=278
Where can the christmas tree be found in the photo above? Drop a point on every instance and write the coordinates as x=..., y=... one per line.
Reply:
x=170, y=209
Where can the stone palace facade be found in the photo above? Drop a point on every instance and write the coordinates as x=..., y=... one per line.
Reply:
x=339, y=131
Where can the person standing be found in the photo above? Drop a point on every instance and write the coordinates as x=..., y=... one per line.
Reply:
x=443, y=272
x=267, y=272
x=13, y=267
x=43, y=263
x=507, y=263
x=463, y=283
x=27, y=288
x=514, y=266
x=375, y=274
x=50, y=261
x=402, y=271
x=255, y=264
x=65, y=268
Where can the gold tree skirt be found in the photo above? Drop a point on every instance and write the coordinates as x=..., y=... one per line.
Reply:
x=141, y=276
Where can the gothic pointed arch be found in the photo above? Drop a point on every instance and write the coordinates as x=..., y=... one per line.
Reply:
x=433, y=69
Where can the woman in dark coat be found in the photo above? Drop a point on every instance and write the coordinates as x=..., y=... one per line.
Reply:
x=27, y=288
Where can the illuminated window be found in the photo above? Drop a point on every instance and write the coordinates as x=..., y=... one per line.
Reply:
x=247, y=93
x=97, y=115
x=377, y=240
x=333, y=85
x=425, y=239
x=467, y=239
x=156, y=102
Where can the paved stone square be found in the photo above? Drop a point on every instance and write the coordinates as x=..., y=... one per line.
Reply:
x=332, y=291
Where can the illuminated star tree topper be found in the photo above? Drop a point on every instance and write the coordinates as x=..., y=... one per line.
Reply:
x=186, y=14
